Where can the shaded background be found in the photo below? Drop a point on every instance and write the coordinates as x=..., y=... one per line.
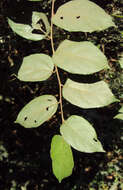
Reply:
x=24, y=153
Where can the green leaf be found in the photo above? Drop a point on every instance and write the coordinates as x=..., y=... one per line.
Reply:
x=120, y=115
x=62, y=158
x=36, y=17
x=121, y=109
x=36, y=67
x=121, y=62
x=37, y=111
x=84, y=95
x=24, y=31
x=79, y=57
x=82, y=15
x=80, y=134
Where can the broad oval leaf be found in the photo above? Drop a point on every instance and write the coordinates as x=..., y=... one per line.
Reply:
x=62, y=158
x=79, y=57
x=80, y=134
x=24, y=31
x=82, y=15
x=36, y=67
x=36, y=17
x=84, y=95
x=37, y=111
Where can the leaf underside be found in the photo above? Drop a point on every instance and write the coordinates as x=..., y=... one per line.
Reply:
x=38, y=16
x=79, y=57
x=37, y=111
x=84, y=95
x=36, y=67
x=25, y=30
x=82, y=15
x=80, y=134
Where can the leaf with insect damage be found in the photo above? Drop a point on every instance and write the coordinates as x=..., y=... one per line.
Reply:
x=82, y=15
x=80, y=134
x=37, y=111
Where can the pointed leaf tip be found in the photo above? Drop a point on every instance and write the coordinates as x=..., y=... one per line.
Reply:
x=37, y=111
x=80, y=134
x=62, y=158
x=24, y=31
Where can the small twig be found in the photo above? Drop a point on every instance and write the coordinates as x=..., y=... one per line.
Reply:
x=48, y=37
x=103, y=48
x=56, y=69
x=119, y=16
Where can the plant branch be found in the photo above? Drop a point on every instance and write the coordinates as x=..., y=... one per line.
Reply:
x=56, y=69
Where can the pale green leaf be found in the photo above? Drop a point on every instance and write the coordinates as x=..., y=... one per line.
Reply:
x=85, y=95
x=82, y=15
x=37, y=111
x=80, y=134
x=79, y=57
x=36, y=17
x=121, y=62
x=62, y=158
x=120, y=114
x=121, y=109
x=24, y=31
x=36, y=67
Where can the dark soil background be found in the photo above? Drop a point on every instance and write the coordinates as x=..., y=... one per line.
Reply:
x=24, y=153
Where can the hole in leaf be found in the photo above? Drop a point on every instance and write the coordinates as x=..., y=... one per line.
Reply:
x=47, y=108
x=25, y=118
x=61, y=17
x=35, y=121
x=78, y=17
x=95, y=139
